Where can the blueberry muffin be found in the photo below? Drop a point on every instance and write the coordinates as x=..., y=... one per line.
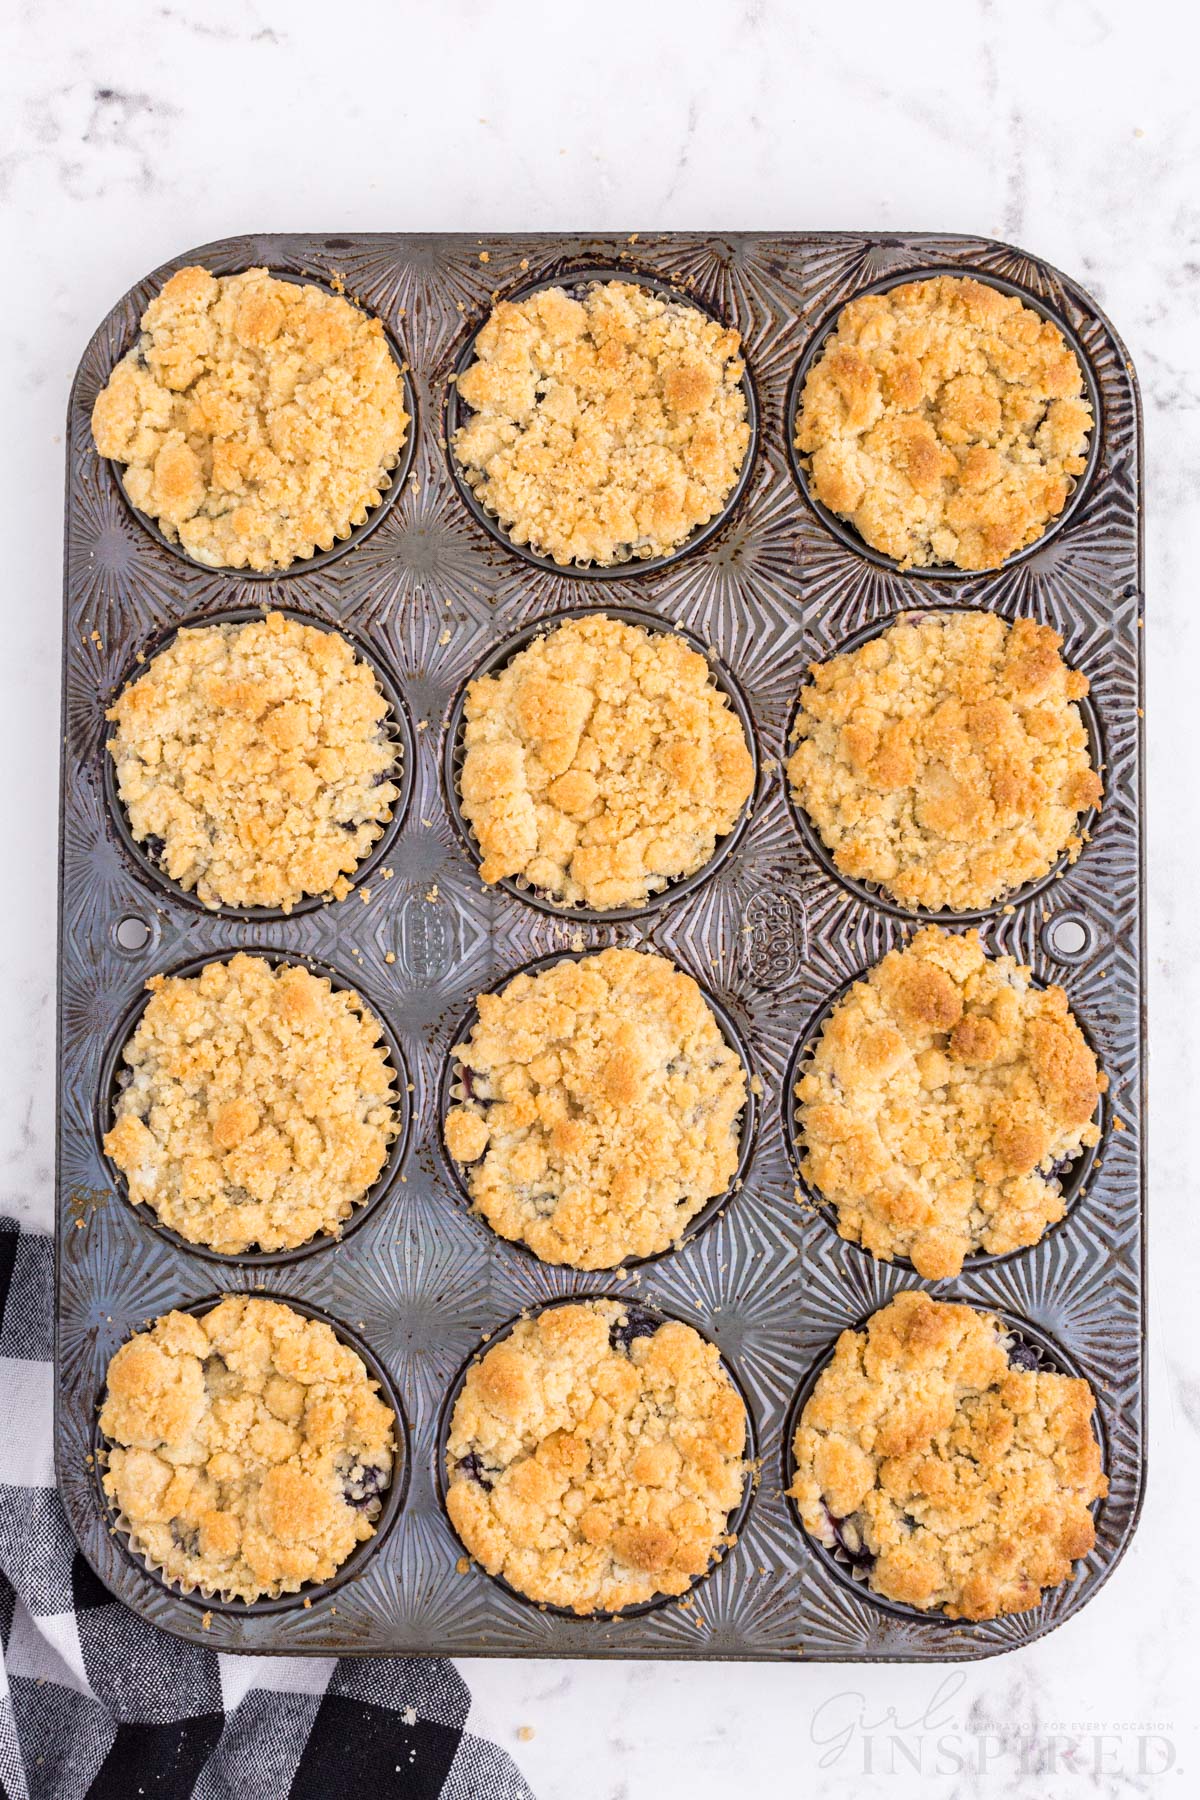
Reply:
x=256, y=1105
x=945, y=1466
x=601, y=764
x=943, y=1098
x=254, y=762
x=946, y=759
x=248, y=1450
x=946, y=421
x=257, y=419
x=595, y=1456
x=597, y=1108
x=604, y=428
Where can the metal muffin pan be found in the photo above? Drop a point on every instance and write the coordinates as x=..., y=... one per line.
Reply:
x=771, y=933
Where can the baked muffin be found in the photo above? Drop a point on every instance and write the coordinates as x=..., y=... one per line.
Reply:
x=249, y=1451
x=254, y=761
x=946, y=421
x=597, y=1108
x=256, y=1105
x=601, y=764
x=942, y=1100
x=594, y=1457
x=950, y=1470
x=257, y=419
x=605, y=428
x=946, y=759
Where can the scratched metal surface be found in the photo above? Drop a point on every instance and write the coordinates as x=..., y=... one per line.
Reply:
x=430, y=592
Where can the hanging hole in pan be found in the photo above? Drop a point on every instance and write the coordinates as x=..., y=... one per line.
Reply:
x=1069, y=938
x=132, y=934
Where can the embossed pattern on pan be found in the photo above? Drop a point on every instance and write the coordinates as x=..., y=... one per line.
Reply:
x=771, y=933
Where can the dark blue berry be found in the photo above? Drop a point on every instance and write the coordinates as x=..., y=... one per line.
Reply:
x=362, y=1485
x=474, y=1470
x=1022, y=1356
x=635, y=1324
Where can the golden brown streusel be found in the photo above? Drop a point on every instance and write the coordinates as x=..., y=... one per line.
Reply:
x=960, y=1483
x=602, y=763
x=604, y=428
x=257, y=419
x=258, y=1108
x=946, y=759
x=946, y=420
x=594, y=1458
x=597, y=1108
x=257, y=755
x=249, y=1451
x=941, y=1094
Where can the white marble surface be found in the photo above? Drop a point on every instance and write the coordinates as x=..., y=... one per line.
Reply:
x=134, y=129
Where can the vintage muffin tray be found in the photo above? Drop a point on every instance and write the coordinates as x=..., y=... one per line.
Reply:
x=430, y=593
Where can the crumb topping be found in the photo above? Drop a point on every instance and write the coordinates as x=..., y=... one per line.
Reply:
x=604, y=428
x=257, y=1105
x=597, y=1108
x=594, y=1457
x=602, y=763
x=249, y=1452
x=946, y=421
x=254, y=761
x=946, y=759
x=257, y=419
x=952, y=1479
x=944, y=1096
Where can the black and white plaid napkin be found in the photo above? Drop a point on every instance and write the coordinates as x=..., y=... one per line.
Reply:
x=97, y=1705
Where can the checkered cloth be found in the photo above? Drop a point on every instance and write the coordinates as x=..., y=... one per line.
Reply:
x=95, y=1703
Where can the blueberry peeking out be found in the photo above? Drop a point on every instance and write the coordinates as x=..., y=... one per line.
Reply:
x=1022, y=1356
x=185, y=1537
x=474, y=1470
x=635, y=1324
x=362, y=1485
x=154, y=847
x=850, y=1541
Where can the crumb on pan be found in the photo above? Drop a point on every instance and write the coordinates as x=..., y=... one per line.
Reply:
x=946, y=420
x=946, y=759
x=942, y=1099
x=603, y=428
x=257, y=419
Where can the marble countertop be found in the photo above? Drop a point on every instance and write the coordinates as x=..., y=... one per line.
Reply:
x=138, y=129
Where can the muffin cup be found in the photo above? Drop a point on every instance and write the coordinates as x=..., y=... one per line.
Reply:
x=1072, y=1180
x=576, y=282
x=311, y=1592
x=842, y=529
x=1049, y=1357
x=453, y=755
x=748, y=1126
x=109, y=1090
x=397, y=727
x=735, y=1521
x=872, y=893
x=391, y=483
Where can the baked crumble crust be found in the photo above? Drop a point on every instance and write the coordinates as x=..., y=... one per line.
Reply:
x=946, y=758
x=594, y=1457
x=255, y=761
x=257, y=419
x=601, y=764
x=250, y=1452
x=258, y=1105
x=944, y=1092
x=598, y=1108
x=956, y=1481
x=604, y=428
x=946, y=421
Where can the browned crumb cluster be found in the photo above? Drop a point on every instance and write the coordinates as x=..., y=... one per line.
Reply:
x=594, y=1457
x=249, y=1451
x=946, y=759
x=601, y=763
x=953, y=1480
x=597, y=1108
x=257, y=1108
x=254, y=761
x=604, y=428
x=946, y=420
x=257, y=419
x=943, y=1094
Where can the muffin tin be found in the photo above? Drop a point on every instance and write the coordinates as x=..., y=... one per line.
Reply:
x=430, y=593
